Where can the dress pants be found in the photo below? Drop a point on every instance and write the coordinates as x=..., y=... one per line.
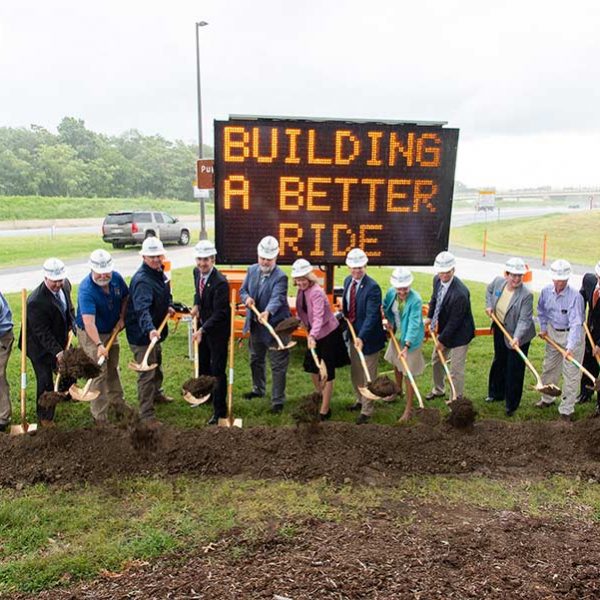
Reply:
x=6, y=342
x=149, y=383
x=591, y=364
x=43, y=369
x=212, y=354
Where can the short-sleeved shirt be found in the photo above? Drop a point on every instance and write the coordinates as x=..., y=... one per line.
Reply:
x=106, y=307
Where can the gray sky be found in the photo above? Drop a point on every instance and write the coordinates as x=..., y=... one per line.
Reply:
x=518, y=78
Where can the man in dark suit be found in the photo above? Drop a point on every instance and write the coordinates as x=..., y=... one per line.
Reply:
x=450, y=313
x=211, y=306
x=265, y=287
x=590, y=290
x=361, y=305
x=50, y=318
x=511, y=303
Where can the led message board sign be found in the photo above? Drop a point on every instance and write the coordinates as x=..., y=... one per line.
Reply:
x=324, y=187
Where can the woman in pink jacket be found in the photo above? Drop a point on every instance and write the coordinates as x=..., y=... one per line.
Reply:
x=324, y=332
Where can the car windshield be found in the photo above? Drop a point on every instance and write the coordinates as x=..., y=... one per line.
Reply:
x=119, y=219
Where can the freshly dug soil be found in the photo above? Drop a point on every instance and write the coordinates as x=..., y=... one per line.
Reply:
x=403, y=551
x=307, y=411
x=50, y=399
x=462, y=413
x=383, y=386
x=287, y=326
x=339, y=451
x=199, y=386
x=77, y=364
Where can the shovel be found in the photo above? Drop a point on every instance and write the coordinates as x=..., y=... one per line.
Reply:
x=595, y=380
x=445, y=365
x=550, y=389
x=229, y=421
x=48, y=399
x=321, y=366
x=588, y=333
x=84, y=394
x=364, y=391
x=144, y=366
x=280, y=345
x=407, y=370
x=24, y=427
x=188, y=396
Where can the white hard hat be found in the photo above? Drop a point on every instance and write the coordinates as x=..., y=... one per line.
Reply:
x=152, y=246
x=401, y=277
x=356, y=258
x=301, y=268
x=516, y=266
x=54, y=269
x=445, y=261
x=597, y=269
x=204, y=249
x=101, y=262
x=268, y=247
x=560, y=270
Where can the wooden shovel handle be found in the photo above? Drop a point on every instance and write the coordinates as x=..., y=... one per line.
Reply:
x=360, y=353
x=23, y=356
x=588, y=333
x=231, y=359
x=69, y=341
x=196, y=353
x=408, y=373
x=444, y=363
x=563, y=351
x=267, y=325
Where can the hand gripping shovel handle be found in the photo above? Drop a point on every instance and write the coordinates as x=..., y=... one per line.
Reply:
x=571, y=359
x=361, y=356
x=588, y=333
x=268, y=326
x=444, y=363
x=408, y=373
x=519, y=351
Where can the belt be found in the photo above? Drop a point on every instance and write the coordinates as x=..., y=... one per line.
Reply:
x=567, y=329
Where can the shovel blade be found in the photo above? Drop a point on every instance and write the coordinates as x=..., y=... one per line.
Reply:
x=368, y=394
x=22, y=428
x=230, y=422
x=141, y=367
x=193, y=400
x=549, y=389
x=77, y=394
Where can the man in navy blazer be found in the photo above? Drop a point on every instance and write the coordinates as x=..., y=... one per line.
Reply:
x=361, y=304
x=265, y=287
x=450, y=313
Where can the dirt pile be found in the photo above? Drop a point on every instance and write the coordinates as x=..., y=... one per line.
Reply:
x=76, y=364
x=462, y=413
x=339, y=451
x=199, y=386
x=383, y=387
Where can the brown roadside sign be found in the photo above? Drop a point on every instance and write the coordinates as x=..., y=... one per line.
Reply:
x=205, y=173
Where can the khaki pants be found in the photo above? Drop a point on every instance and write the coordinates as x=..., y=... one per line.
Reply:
x=149, y=383
x=458, y=357
x=108, y=383
x=6, y=342
x=555, y=364
x=357, y=374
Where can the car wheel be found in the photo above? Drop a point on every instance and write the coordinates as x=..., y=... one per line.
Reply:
x=184, y=237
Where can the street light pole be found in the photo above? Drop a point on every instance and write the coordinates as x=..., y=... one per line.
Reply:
x=203, y=234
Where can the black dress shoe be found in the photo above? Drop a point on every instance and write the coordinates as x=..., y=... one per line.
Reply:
x=492, y=399
x=326, y=416
x=276, y=409
x=250, y=395
x=213, y=420
x=433, y=396
x=362, y=419
x=583, y=398
x=510, y=413
x=3, y=426
x=355, y=406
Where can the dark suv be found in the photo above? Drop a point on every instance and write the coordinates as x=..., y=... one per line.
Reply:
x=133, y=227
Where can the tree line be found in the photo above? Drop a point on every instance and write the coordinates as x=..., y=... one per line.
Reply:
x=78, y=162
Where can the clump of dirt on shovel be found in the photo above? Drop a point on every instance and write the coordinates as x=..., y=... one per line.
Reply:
x=462, y=413
x=288, y=326
x=76, y=363
x=307, y=411
x=200, y=386
x=383, y=386
x=50, y=399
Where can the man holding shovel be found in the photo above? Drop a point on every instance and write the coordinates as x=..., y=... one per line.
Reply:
x=561, y=314
x=450, y=313
x=6, y=341
x=148, y=308
x=101, y=306
x=361, y=305
x=512, y=303
x=211, y=306
x=265, y=287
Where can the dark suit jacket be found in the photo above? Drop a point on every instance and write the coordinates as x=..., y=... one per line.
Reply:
x=214, y=309
x=47, y=327
x=456, y=326
x=368, y=324
x=593, y=315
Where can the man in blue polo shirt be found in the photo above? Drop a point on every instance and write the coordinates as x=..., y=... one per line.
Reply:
x=101, y=306
x=6, y=342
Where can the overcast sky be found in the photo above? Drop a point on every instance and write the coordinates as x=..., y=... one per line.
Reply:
x=519, y=78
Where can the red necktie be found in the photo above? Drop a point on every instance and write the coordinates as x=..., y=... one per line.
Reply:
x=352, y=303
x=201, y=286
x=595, y=297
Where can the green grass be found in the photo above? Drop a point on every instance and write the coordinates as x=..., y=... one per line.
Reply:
x=178, y=368
x=52, y=536
x=42, y=207
x=569, y=236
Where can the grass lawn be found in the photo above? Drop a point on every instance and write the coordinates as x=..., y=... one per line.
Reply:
x=43, y=207
x=178, y=368
x=569, y=236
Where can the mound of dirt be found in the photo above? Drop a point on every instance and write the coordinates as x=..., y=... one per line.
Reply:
x=338, y=451
x=393, y=552
x=307, y=411
x=77, y=364
x=462, y=413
